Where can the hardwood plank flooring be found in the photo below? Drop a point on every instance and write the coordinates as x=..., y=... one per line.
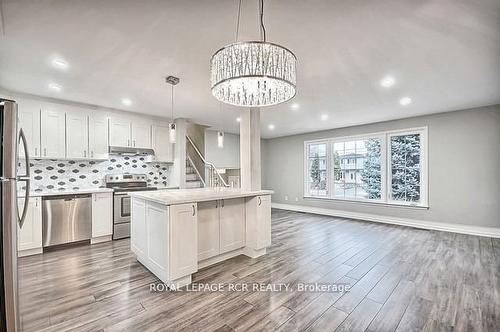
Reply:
x=401, y=279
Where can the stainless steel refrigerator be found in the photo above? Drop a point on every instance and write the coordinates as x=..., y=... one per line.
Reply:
x=11, y=137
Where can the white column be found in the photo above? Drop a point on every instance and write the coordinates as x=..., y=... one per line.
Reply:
x=250, y=166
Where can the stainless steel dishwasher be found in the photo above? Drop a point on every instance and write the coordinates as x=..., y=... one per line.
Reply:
x=66, y=219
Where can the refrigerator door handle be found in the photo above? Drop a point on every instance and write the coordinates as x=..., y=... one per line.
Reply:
x=25, y=178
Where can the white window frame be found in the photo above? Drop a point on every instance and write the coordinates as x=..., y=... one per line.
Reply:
x=385, y=167
x=306, y=167
x=424, y=180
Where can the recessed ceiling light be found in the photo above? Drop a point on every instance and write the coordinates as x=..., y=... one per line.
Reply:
x=126, y=102
x=295, y=106
x=60, y=63
x=405, y=101
x=387, y=81
x=324, y=117
x=238, y=119
x=55, y=87
x=270, y=127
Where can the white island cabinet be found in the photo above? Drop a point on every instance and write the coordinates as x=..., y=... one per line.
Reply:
x=176, y=232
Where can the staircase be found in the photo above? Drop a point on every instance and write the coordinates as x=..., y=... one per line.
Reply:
x=206, y=174
x=193, y=180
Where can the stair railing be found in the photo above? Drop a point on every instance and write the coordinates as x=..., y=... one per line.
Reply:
x=214, y=178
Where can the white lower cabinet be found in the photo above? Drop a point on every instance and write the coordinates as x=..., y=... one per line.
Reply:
x=138, y=228
x=208, y=229
x=232, y=224
x=258, y=229
x=29, y=237
x=221, y=227
x=157, y=232
x=183, y=243
x=102, y=214
x=164, y=238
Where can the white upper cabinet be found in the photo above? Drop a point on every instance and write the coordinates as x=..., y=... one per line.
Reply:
x=29, y=121
x=53, y=135
x=141, y=135
x=161, y=143
x=98, y=136
x=119, y=131
x=77, y=139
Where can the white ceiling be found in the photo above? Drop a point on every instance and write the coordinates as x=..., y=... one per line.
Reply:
x=444, y=54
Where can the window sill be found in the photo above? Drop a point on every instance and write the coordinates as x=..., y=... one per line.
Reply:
x=352, y=201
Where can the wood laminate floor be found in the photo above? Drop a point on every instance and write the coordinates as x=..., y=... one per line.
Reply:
x=401, y=279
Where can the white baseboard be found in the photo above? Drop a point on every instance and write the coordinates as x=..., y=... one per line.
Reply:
x=445, y=227
x=29, y=252
x=100, y=239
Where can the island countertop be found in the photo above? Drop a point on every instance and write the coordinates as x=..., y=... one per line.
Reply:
x=181, y=196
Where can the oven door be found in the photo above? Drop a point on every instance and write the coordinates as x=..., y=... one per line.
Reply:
x=121, y=206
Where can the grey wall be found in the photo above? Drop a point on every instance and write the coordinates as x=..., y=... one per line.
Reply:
x=227, y=157
x=464, y=168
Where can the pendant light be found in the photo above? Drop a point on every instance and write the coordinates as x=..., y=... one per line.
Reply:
x=220, y=139
x=253, y=73
x=173, y=81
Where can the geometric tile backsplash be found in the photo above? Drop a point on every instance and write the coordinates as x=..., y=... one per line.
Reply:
x=59, y=175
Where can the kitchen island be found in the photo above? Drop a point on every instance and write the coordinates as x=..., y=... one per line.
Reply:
x=176, y=232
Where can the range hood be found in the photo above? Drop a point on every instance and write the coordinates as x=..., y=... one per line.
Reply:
x=127, y=151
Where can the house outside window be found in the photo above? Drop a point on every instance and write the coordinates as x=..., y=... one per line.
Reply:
x=386, y=167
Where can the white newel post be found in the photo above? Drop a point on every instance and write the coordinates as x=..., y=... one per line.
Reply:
x=250, y=166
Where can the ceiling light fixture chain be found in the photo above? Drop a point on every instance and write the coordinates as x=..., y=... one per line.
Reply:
x=238, y=22
x=172, y=102
x=262, y=27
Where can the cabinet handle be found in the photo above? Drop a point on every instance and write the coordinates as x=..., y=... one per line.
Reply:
x=92, y=154
x=260, y=200
x=84, y=153
x=128, y=142
x=36, y=152
x=45, y=152
x=222, y=203
x=194, y=210
x=216, y=204
x=134, y=143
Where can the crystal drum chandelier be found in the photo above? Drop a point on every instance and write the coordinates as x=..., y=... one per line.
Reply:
x=253, y=73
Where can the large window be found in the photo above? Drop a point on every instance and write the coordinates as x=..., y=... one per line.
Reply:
x=387, y=167
x=317, y=169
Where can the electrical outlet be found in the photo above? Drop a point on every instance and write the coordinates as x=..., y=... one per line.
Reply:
x=286, y=197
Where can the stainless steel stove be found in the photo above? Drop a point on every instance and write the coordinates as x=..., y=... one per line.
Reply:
x=122, y=184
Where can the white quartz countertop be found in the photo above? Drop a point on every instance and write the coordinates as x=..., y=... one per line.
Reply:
x=181, y=196
x=66, y=192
